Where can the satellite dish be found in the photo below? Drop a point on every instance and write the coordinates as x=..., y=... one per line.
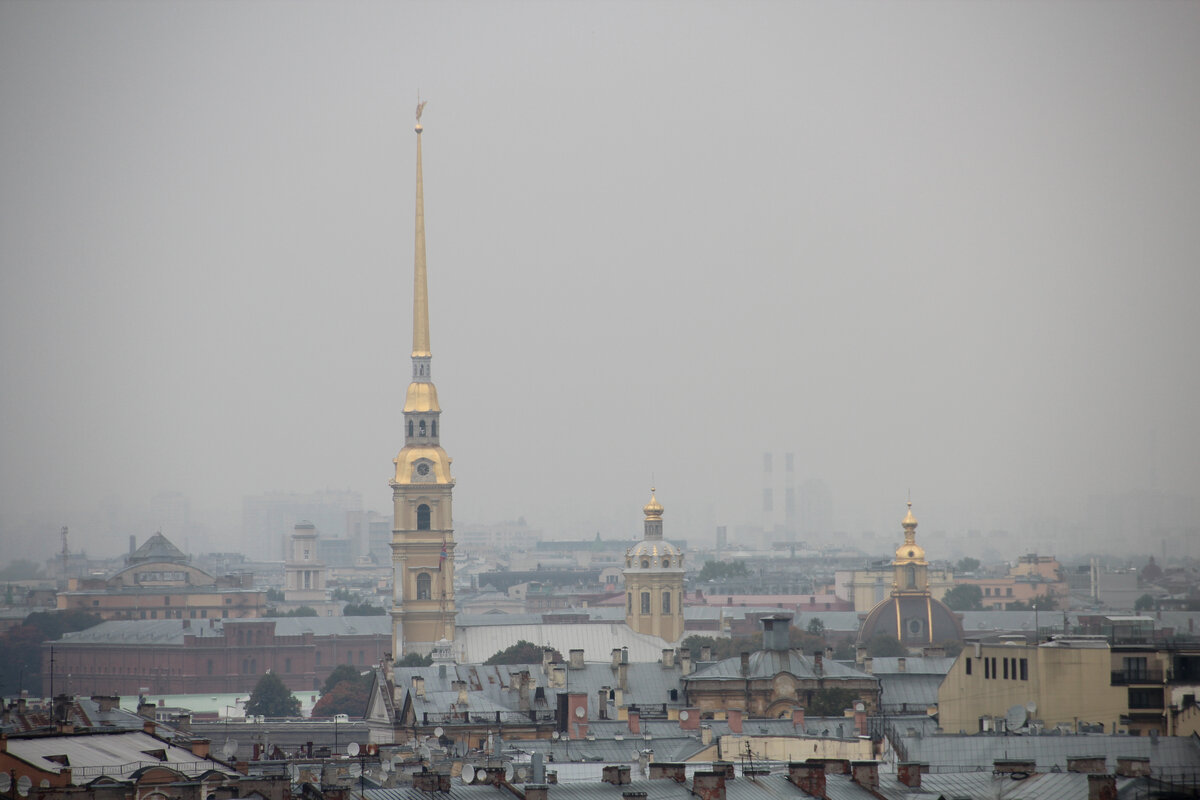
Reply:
x=1031, y=707
x=5, y=782
x=424, y=753
x=229, y=748
x=579, y=712
x=859, y=707
x=438, y=731
x=508, y=772
x=1015, y=718
x=554, y=736
x=522, y=774
x=352, y=749
x=480, y=775
x=467, y=775
x=24, y=784
x=683, y=715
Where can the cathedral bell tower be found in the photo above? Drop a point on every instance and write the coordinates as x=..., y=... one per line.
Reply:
x=654, y=580
x=422, y=527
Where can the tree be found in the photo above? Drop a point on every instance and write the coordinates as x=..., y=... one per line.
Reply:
x=271, y=698
x=21, y=663
x=20, y=570
x=415, y=660
x=816, y=627
x=1144, y=603
x=302, y=611
x=721, y=570
x=348, y=697
x=831, y=702
x=522, y=652
x=274, y=596
x=883, y=645
x=342, y=673
x=362, y=610
x=964, y=597
x=967, y=565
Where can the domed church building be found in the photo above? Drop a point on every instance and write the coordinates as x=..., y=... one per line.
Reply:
x=654, y=580
x=912, y=614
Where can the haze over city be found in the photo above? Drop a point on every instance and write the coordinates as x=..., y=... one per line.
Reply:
x=940, y=248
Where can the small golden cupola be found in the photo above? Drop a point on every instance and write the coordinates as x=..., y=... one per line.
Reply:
x=910, y=552
x=911, y=570
x=654, y=579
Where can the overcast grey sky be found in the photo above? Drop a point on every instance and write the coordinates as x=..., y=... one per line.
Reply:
x=945, y=247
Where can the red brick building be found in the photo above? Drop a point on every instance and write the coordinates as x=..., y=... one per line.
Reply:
x=219, y=656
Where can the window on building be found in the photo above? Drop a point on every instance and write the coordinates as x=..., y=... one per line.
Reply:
x=645, y=602
x=167, y=601
x=666, y=562
x=645, y=563
x=666, y=602
x=1005, y=660
x=969, y=665
x=1146, y=698
x=318, y=657
x=204, y=613
x=1024, y=669
x=1135, y=668
x=629, y=607
x=210, y=666
x=421, y=427
x=912, y=577
x=153, y=615
x=1008, y=591
x=433, y=428
x=422, y=517
x=424, y=583
x=287, y=665
x=95, y=603
x=410, y=427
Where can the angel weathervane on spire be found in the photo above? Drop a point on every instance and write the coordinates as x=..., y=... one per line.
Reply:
x=420, y=107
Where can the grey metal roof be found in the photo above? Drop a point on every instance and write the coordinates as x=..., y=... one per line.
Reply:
x=768, y=663
x=983, y=784
x=901, y=692
x=914, y=665
x=327, y=626
x=115, y=754
x=597, y=641
x=144, y=631
x=1049, y=751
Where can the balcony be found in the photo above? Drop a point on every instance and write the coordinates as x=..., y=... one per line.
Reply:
x=1137, y=676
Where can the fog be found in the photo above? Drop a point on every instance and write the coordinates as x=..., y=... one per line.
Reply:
x=940, y=248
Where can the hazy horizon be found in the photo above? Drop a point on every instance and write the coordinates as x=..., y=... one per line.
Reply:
x=938, y=248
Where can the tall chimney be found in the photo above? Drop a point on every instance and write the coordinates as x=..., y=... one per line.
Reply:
x=745, y=664
x=1102, y=787
x=575, y=659
x=865, y=774
x=635, y=721
x=734, y=717
x=709, y=785
x=685, y=660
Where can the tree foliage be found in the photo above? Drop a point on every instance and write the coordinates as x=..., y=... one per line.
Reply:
x=884, y=645
x=342, y=673
x=271, y=698
x=964, y=597
x=522, y=652
x=967, y=565
x=302, y=611
x=20, y=570
x=362, y=610
x=722, y=570
x=1144, y=603
x=415, y=660
x=348, y=697
x=831, y=702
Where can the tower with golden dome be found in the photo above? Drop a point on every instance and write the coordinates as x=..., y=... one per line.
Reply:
x=911, y=614
x=654, y=580
x=422, y=489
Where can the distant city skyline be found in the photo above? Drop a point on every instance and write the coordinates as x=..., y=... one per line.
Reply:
x=945, y=249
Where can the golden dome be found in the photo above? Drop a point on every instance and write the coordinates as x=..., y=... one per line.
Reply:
x=909, y=520
x=910, y=551
x=654, y=549
x=653, y=508
x=421, y=397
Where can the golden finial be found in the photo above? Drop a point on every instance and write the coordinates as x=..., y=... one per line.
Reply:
x=420, y=107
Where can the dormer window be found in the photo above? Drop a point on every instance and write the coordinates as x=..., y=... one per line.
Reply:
x=645, y=563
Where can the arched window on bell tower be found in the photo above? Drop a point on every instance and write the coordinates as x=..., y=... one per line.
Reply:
x=410, y=428
x=423, y=517
x=421, y=427
x=912, y=577
x=424, y=584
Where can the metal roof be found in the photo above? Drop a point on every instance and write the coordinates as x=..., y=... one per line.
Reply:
x=1049, y=751
x=480, y=643
x=901, y=692
x=918, y=664
x=115, y=754
x=768, y=663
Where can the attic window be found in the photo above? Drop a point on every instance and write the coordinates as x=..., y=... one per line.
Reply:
x=161, y=755
x=59, y=759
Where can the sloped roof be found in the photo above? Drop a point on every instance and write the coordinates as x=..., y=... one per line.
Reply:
x=769, y=663
x=157, y=548
x=114, y=754
x=1049, y=751
x=479, y=643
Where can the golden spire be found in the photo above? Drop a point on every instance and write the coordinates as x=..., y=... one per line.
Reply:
x=653, y=509
x=909, y=523
x=420, y=282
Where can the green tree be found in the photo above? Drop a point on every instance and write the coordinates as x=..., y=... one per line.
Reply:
x=348, y=697
x=721, y=570
x=21, y=646
x=964, y=597
x=522, y=652
x=362, y=610
x=342, y=673
x=302, y=611
x=816, y=627
x=415, y=660
x=967, y=565
x=884, y=645
x=274, y=596
x=831, y=702
x=1144, y=603
x=20, y=570
x=271, y=698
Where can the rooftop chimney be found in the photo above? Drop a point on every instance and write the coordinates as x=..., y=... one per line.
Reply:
x=635, y=721
x=668, y=770
x=616, y=774
x=575, y=659
x=745, y=664
x=616, y=657
x=418, y=685
x=808, y=776
x=909, y=773
x=1133, y=766
x=689, y=719
x=685, y=660
x=668, y=659
x=819, y=662
x=537, y=791
x=1102, y=787
x=200, y=748
x=797, y=718
x=709, y=785
x=901, y=664
x=734, y=716
x=1009, y=766
x=547, y=659
x=865, y=774
x=1092, y=765
x=776, y=629
x=705, y=652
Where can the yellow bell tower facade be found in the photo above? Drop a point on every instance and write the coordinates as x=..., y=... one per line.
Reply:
x=654, y=580
x=422, y=526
